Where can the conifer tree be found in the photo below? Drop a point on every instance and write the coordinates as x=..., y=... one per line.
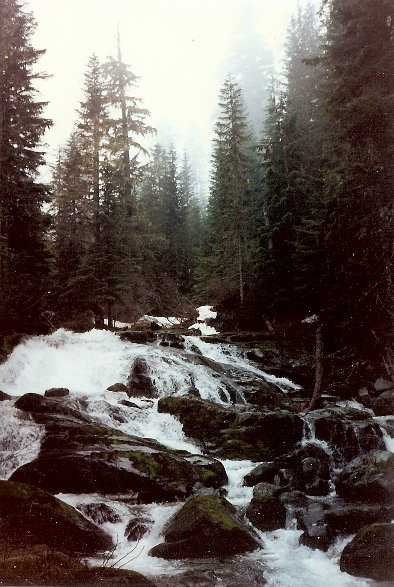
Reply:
x=357, y=101
x=23, y=254
x=226, y=259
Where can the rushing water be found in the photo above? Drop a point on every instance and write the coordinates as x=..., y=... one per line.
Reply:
x=87, y=364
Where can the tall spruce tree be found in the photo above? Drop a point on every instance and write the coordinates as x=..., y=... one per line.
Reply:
x=225, y=264
x=23, y=255
x=357, y=101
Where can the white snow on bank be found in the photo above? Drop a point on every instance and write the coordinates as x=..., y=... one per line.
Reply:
x=161, y=320
x=204, y=313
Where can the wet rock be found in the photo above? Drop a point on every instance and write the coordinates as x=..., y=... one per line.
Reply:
x=205, y=527
x=30, y=516
x=227, y=432
x=201, y=419
x=57, y=392
x=76, y=457
x=369, y=478
x=266, y=511
x=138, y=336
x=265, y=473
x=172, y=340
x=49, y=408
x=382, y=385
x=99, y=513
x=370, y=553
x=4, y=396
x=348, y=519
x=119, y=388
x=316, y=533
x=383, y=405
x=140, y=382
x=348, y=431
x=309, y=470
x=111, y=577
x=137, y=527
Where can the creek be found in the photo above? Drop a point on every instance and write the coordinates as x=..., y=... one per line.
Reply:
x=87, y=364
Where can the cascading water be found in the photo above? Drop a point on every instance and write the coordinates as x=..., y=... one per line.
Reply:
x=87, y=364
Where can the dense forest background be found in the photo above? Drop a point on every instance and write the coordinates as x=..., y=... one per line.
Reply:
x=299, y=220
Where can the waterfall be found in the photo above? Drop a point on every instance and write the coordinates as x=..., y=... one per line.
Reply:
x=87, y=364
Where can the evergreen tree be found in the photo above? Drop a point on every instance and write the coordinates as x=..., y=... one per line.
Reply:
x=225, y=265
x=357, y=101
x=23, y=254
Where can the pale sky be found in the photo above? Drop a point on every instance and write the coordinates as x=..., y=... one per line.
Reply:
x=175, y=46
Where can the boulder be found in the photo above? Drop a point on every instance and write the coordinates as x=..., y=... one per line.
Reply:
x=205, y=527
x=111, y=577
x=369, y=478
x=383, y=405
x=348, y=519
x=266, y=511
x=140, y=382
x=370, y=553
x=44, y=408
x=99, y=513
x=119, y=388
x=348, y=431
x=77, y=457
x=316, y=533
x=201, y=419
x=308, y=470
x=138, y=336
x=270, y=472
x=57, y=392
x=229, y=433
x=31, y=516
x=4, y=396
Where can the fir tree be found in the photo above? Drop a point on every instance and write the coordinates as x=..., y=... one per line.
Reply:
x=23, y=254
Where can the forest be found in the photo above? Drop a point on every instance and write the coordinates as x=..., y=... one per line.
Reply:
x=299, y=221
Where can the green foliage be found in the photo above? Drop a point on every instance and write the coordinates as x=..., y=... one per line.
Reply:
x=24, y=258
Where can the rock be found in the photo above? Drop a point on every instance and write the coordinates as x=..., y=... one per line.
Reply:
x=4, y=396
x=382, y=384
x=348, y=519
x=383, y=405
x=30, y=516
x=201, y=419
x=137, y=336
x=140, y=382
x=264, y=473
x=138, y=526
x=119, y=388
x=369, y=478
x=370, y=553
x=205, y=527
x=76, y=457
x=227, y=432
x=266, y=511
x=348, y=431
x=57, y=392
x=111, y=577
x=316, y=534
x=43, y=408
x=172, y=340
x=99, y=513
x=308, y=469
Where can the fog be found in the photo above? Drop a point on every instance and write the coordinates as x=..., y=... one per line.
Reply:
x=182, y=51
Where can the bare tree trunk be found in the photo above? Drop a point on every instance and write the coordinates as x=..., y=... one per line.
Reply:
x=240, y=265
x=318, y=366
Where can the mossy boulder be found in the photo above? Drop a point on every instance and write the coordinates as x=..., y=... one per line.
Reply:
x=368, y=478
x=266, y=511
x=41, y=565
x=205, y=527
x=370, y=553
x=201, y=419
x=81, y=457
x=31, y=516
x=228, y=433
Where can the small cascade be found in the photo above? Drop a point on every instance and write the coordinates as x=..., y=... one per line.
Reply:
x=20, y=439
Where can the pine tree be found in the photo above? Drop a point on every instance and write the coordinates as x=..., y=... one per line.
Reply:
x=23, y=254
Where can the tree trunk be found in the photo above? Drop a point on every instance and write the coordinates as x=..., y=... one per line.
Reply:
x=318, y=366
